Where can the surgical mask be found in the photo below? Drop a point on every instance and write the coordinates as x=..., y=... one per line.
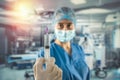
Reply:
x=64, y=36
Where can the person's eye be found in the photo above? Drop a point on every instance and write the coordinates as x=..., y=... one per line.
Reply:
x=68, y=26
x=61, y=26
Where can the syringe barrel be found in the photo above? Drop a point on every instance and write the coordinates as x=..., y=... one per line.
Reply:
x=46, y=40
x=46, y=46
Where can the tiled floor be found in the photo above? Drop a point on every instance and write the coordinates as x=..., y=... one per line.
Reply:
x=13, y=74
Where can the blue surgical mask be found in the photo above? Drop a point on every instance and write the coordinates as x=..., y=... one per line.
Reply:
x=64, y=36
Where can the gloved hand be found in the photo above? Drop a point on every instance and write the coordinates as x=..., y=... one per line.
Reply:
x=52, y=72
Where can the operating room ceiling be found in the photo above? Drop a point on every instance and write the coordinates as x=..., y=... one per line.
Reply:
x=99, y=8
x=86, y=11
x=106, y=4
x=53, y=4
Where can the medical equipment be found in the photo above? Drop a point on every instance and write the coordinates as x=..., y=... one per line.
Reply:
x=99, y=61
x=46, y=45
x=29, y=75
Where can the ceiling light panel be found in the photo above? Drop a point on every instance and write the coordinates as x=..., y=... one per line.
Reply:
x=94, y=11
x=78, y=1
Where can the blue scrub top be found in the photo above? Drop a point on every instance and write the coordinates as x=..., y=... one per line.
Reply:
x=73, y=66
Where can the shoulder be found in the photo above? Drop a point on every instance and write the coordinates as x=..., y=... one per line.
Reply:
x=79, y=49
x=77, y=46
x=52, y=44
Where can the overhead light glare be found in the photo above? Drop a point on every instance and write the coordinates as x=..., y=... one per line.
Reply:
x=94, y=11
x=23, y=8
x=78, y=1
x=10, y=0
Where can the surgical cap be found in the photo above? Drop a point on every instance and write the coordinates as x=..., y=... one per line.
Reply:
x=64, y=13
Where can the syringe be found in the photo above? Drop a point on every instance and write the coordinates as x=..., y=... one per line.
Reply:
x=46, y=45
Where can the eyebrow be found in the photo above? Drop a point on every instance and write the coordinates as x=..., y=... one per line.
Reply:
x=65, y=23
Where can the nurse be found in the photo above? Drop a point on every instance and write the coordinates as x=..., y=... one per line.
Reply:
x=67, y=60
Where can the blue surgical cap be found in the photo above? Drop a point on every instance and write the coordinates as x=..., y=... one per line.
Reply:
x=64, y=13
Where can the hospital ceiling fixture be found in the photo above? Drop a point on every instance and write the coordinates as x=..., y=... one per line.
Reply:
x=113, y=18
x=78, y=1
x=94, y=11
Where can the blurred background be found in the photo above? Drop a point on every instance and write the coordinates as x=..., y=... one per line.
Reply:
x=23, y=24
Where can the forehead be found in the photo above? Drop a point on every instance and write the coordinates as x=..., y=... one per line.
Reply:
x=65, y=21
